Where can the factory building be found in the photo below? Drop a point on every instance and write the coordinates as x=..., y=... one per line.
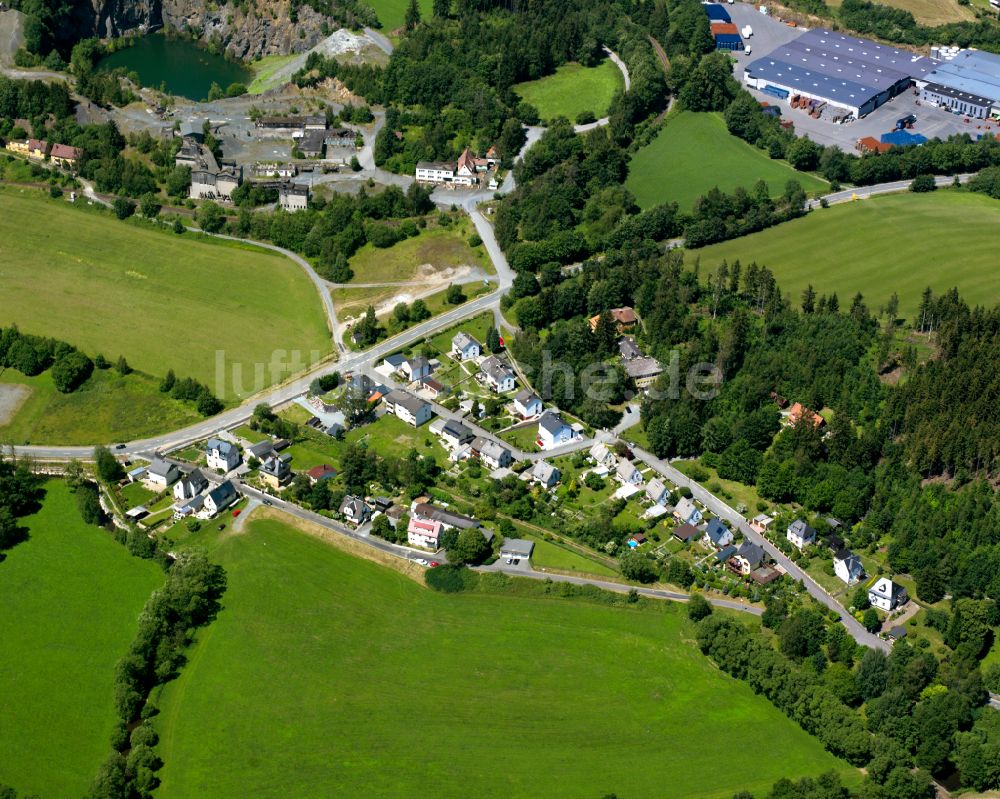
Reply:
x=855, y=74
x=968, y=83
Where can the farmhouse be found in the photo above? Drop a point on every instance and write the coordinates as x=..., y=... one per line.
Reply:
x=799, y=411
x=19, y=147
x=624, y=319
x=423, y=533
x=410, y=409
x=37, y=149
x=221, y=455
x=491, y=453
x=717, y=534
x=847, y=566
x=293, y=198
x=497, y=375
x=552, y=430
x=854, y=74
x=527, y=404
x=516, y=549
x=218, y=499
x=800, y=534
x=886, y=595
x=162, y=474
x=354, y=510
x=464, y=347
x=189, y=486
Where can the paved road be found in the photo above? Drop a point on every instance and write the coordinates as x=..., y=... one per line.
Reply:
x=864, y=192
x=628, y=85
x=721, y=509
x=381, y=41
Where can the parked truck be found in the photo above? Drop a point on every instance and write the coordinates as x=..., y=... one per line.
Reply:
x=905, y=122
x=747, y=31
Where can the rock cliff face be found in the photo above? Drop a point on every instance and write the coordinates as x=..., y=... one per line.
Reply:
x=264, y=27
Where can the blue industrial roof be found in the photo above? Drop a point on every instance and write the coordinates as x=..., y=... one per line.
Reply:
x=901, y=138
x=731, y=38
x=972, y=72
x=841, y=68
x=717, y=13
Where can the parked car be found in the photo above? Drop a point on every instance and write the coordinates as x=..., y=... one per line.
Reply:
x=422, y=562
x=119, y=446
x=237, y=512
x=434, y=564
x=268, y=502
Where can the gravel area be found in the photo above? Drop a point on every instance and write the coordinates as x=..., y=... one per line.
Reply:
x=12, y=396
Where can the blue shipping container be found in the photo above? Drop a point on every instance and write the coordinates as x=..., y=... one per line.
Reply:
x=774, y=91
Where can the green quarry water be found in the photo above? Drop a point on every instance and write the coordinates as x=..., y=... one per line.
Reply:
x=187, y=69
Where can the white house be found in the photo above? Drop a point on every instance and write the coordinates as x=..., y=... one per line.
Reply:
x=162, y=474
x=748, y=557
x=454, y=434
x=602, y=455
x=627, y=473
x=423, y=533
x=465, y=169
x=657, y=491
x=686, y=511
x=498, y=376
x=410, y=409
x=545, y=474
x=516, y=549
x=492, y=453
x=527, y=404
x=847, y=566
x=218, y=499
x=886, y=595
x=435, y=172
x=222, y=455
x=800, y=534
x=416, y=368
x=553, y=431
x=354, y=510
x=190, y=486
x=464, y=347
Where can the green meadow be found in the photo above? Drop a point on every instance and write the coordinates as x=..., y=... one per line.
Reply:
x=693, y=153
x=70, y=597
x=326, y=675
x=572, y=89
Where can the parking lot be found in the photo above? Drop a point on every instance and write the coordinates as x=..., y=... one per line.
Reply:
x=932, y=122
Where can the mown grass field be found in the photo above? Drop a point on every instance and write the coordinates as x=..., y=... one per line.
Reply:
x=107, y=408
x=353, y=680
x=70, y=597
x=264, y=70
x=162, y=300
x=930, y=12
x=573, y=89
x=694, y=153
x=391, y=13
x=425, y=257
x=897, y=243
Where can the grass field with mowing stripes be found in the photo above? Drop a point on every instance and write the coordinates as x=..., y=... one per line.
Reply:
x=693, y=153
x=70, y=597
x=572, y=89
x=326, y=675
x=163, y=301
x=897, y=243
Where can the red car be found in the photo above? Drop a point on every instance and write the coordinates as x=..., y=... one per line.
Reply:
x=434, y=563
x=237, y=512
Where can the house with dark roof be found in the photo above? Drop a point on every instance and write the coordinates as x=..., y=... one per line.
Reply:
x=190, y=485
x=685, y=532
x=848, y=567
x=552, y=430
x=527, y=404
x=223, y=456
x=450, y=519
x=161, y=473
x=629, y=349
x=218, y=499
x=412, y=410
x=275, y=471
x=747, y=558
x=800, y=534
x=416, y=368
x=491, y=453
x=497, y=375
x=887, y=595
x=354, y=510
x=717, y=534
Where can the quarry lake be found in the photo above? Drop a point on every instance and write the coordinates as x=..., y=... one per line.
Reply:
x=179, y=65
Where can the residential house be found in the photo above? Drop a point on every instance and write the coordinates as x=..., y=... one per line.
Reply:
x=189, y=507
x=800, y=534
x=685, y=532
x=410, y=409
x=138, y=473
x=465, y=169
x=847, y=566
x=497, y=375
x=218, y=499
x=416, y=368
x=37, y=149
x=454, y=434
x=624, y=319
x=747, y=558
x=516, y=549
x=527, y=404
x=545, y=474
x=190, y=485
x=886, y=595
x=657, y=492
x=275, y=471
x=627, y=473
x=717, y=534
x=799, y=411
x=464, y=347
x=552, y=430
x=317, y=474
x=65, y=156
x=18, y=146
x=643, y=371
x=423, y=533
x=686, y=511
x=602, y=455
x=354, y=510
x=394, y=362
x=222, y=455
x=162, y=474
x=292, y=197
x=435, y=172
x=629, y=349
x=449, y=519
x=761, y=523
x=261, y=451
x=492, y=453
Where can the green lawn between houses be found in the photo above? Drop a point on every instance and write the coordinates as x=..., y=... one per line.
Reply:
x=573, y=89
x=163, y=301
x=694, y=153
x=352, y=680
x=897, y=243
x=70, y=597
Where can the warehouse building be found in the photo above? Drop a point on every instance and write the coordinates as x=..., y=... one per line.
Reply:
x=858, y=75
x=969, y=84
